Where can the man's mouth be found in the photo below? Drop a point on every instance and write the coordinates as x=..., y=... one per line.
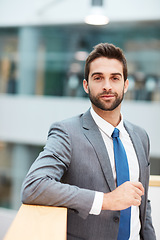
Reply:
x=107, y=96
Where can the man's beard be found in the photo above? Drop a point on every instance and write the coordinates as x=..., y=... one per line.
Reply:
x=103, y=104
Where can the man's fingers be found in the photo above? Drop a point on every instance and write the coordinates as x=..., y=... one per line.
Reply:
x=138, y=188
x=137, y=202
x=139, y=192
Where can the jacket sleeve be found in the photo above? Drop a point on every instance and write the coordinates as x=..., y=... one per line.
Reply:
x=42, y=185
x=149, y=233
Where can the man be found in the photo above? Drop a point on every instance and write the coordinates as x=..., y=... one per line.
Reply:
x=77, y=168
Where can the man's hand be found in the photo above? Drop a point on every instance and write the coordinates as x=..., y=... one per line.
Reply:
x=124, y=196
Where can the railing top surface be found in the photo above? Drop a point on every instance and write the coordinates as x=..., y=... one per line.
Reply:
x=154, y=181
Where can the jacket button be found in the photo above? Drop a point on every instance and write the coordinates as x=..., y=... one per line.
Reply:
x=116, y=219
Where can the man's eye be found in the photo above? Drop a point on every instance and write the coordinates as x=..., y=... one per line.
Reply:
x=115, y=78
x=97, y=78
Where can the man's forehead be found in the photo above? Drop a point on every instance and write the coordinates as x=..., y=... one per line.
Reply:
x=104, y=64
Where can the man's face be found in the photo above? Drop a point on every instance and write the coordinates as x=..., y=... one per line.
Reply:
x=106, y=86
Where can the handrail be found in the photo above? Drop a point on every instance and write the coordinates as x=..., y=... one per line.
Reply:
x=38, y=222
x=154, y=181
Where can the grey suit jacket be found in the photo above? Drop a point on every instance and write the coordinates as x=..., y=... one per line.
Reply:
x=73, y=165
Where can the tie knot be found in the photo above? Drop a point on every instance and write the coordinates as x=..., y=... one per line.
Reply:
x=115, y=133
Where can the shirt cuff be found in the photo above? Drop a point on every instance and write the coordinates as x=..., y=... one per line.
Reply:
x=97, y=203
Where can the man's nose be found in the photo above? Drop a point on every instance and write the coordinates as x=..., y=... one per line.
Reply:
x=107, y=85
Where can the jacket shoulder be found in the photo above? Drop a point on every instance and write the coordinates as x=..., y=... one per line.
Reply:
x=69, y=124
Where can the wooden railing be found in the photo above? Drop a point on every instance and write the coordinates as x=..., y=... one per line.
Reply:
x=154, y=181
x=38, y=222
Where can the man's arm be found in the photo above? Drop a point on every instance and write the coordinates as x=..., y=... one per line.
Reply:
x=42, y=184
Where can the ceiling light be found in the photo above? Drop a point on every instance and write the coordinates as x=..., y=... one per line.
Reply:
x=97, y=14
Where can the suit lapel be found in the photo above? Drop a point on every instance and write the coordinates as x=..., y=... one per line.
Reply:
x=93, y=134
x=139, y=149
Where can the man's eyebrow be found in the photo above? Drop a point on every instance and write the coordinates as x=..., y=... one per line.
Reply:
x=100, y=73
x=116, y=74
x=96, y=73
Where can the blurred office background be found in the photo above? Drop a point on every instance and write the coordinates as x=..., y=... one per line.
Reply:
x=43, y=47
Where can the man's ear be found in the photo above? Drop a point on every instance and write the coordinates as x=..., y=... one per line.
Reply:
x=85, y=85
x=126, y=84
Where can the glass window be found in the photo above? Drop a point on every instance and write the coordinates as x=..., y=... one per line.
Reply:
x=52, y=62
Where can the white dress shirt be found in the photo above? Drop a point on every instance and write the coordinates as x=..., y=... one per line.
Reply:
x=106, y=130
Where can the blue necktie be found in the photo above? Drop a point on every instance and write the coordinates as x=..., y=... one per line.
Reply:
x=122, y=172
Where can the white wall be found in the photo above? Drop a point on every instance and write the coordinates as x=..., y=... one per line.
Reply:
x=26, y=119
x=39, y=12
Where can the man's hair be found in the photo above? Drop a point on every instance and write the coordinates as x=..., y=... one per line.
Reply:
x=109, y=51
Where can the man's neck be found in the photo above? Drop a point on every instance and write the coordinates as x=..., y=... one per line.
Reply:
x=112, y=117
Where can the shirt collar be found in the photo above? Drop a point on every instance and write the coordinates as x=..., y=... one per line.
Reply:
x=106, y=127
